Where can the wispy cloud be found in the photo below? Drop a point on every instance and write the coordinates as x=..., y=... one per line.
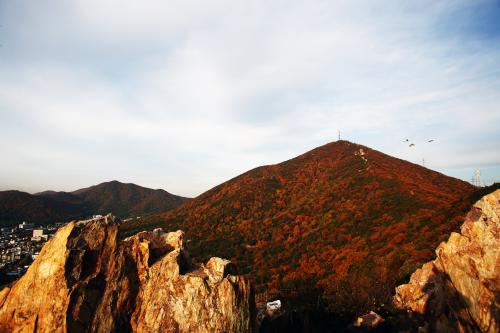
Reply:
x=186, y=94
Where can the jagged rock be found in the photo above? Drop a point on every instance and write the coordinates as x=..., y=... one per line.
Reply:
x=460, y=290
x=86, y=280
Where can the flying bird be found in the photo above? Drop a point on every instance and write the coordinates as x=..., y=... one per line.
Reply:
x=432, y=140
x=406, y=140
x=412, y=145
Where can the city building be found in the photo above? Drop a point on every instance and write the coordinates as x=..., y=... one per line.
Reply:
x=26, y=226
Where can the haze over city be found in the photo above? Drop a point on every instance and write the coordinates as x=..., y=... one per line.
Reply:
x=185, y=95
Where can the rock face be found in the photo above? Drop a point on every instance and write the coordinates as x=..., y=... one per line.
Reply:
x=86, y=280
x=460, y=290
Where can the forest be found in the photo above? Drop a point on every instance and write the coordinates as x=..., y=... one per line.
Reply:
x=341, y=225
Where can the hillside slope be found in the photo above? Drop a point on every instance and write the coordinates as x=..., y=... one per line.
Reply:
x=342, y=221
x=123, y=200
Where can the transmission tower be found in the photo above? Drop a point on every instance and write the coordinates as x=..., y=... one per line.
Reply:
x=476, y=180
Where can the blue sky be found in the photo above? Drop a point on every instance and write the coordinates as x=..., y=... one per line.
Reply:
x=183, y=95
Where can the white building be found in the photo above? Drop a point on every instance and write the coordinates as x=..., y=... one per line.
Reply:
x=26, y=226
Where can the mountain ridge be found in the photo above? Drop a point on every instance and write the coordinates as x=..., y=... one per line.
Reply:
x=123, y=199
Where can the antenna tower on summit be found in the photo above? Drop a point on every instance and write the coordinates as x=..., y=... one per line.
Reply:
x=339, y=135
x=476, y=180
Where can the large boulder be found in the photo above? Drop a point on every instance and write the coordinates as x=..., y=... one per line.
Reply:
x=87, y=280
x=460, y=290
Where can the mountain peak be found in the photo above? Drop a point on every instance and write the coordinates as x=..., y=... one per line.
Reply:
x=324, y=219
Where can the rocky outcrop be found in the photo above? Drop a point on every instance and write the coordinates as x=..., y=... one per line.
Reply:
x=86, y=280
x=460, y=290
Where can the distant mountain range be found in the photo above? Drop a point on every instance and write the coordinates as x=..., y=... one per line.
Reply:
x=123, y=200
x=343, y=221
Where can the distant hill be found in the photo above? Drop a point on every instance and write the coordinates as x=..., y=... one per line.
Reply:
x=342, y=221
x=16, y=206
x=127, y=199
x=123, y=200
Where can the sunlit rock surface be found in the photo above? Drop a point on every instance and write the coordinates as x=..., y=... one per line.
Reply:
x=86, y=280
x=460, y=290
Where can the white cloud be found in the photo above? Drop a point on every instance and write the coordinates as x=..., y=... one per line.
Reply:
x=186, y=94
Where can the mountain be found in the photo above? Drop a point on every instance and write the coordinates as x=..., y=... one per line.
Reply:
x=87, y=280
x=340, y=225
x=127, y=199
x=124, y=200
x=16, y=206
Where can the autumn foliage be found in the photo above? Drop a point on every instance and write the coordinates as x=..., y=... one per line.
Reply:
x=342, y=221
